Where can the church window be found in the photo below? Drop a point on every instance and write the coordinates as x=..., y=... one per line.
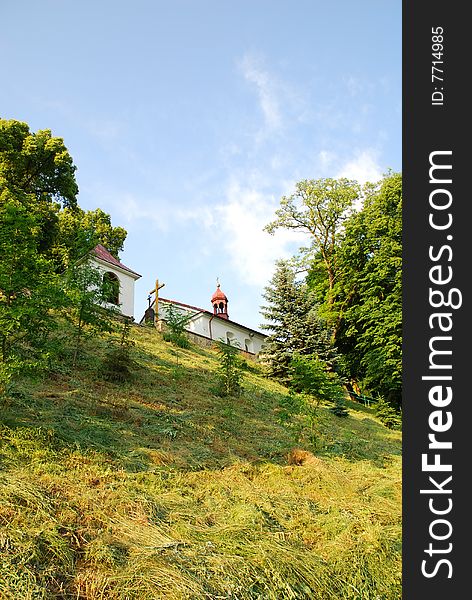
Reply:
x=111, y=288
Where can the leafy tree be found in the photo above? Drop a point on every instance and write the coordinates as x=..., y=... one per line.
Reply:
x=80, y=231
x=36, y=164
x=42, y=231
x=87, y=295
x=118, y=361
x=310, y=375
x=37, y=170
x=28, y=287
x=369, y=290
x=318, y=208
x=36, y=180
x=387, y=414
x=229, y=369
x=293, y=322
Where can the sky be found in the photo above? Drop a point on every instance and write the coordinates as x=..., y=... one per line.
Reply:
x=189, y=120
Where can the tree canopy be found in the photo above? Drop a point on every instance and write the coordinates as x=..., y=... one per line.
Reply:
x=318, y=207
x=370, y=289
x=43, y=232
x=353, y=264
x=37, y=170
x=38, y=164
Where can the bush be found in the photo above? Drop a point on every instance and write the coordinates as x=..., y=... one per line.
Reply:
x=118, y=362
x=309, y=374
x=178, y=339
x=229, y=370
x=175, y=323
x=339, y=409
x=390, y=417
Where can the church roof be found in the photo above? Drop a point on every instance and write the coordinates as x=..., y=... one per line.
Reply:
x=219, y=295
x=102, y=253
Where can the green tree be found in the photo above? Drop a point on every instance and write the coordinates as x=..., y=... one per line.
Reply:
x=37, y=164
x=29, y=289
x=310, y=375
x=80, y=231
x=293, y=322
x=87, y=293
x=369, y=290
x=37, y=170
x=175, y=321
x=42, y=231
x=229, y=369
x=318, y=207
x=355, y=272
x=37, y=178
x=387, y=414
x=118, y=362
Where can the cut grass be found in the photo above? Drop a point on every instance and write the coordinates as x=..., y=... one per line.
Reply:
x=157, y=488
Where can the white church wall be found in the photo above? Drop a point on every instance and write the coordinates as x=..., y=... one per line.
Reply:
x=200, y=325
x=228, y=331
x=211, y=327
x=126, y=295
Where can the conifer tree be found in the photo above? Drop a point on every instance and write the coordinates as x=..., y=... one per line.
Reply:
x=293, y=322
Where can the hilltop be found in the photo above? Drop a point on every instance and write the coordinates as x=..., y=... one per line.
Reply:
x=158, y=488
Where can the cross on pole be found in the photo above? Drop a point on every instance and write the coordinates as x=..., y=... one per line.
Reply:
x=156, y=300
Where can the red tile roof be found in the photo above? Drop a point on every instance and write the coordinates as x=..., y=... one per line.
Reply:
x=218, y=295
x=102, y=253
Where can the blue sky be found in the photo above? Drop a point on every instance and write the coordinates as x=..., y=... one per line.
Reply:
x=189, y=120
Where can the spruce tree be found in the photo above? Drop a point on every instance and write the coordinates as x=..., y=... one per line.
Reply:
x=293, y=322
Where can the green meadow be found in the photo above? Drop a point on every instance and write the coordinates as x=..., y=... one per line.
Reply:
x=159, y=488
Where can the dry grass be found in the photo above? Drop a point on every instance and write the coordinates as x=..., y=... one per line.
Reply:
x=158, y=489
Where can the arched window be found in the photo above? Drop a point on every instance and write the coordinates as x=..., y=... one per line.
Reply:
x=111, y=288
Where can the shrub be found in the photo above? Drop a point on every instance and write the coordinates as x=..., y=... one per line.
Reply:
x=309, y=374
x=118, y=361
x=175, y=323
x=178, y=339
x=229, y=370
x=390, y=417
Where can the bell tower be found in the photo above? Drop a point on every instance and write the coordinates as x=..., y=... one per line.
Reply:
x=220, y=303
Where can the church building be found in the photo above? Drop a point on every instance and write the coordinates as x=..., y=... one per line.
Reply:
x=208, y=326
x=121, y=277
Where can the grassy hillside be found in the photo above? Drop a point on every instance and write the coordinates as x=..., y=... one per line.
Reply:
x=160, y=489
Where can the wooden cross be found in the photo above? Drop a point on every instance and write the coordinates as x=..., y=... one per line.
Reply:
x=156, y=300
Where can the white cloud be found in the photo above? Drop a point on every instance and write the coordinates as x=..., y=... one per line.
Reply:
x=363, y=167
x=326, y=158
x=235, y=225
x=266, y=90
x=159, y=214
x=242, y=219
